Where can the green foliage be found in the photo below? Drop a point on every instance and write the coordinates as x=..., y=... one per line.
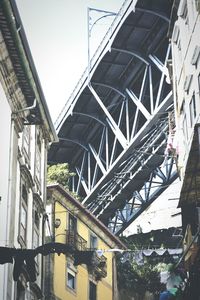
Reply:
x=59, y=174
x=137, y=279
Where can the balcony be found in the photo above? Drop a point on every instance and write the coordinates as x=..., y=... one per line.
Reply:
x=97, y=265
x=76, y=241
x=98, y=268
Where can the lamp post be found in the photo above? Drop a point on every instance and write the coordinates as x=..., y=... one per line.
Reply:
x=90, y=27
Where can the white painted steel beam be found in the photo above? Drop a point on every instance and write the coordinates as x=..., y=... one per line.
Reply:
x=110, y=119
x=97, y=158
x=139, y=105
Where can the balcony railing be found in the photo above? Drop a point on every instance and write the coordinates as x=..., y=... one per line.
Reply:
x=75, y=241
x=99, y=267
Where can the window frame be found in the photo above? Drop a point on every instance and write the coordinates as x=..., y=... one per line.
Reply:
x=90, y=296
x=72, y=220
x=93, y=241
x=26, y=143
x=23, y=227
x=23, y=206
x=38, y=157
x=193, y=110
x=73, y=276
x=36, y=234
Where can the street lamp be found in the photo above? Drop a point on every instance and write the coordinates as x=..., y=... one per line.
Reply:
x=90, y=27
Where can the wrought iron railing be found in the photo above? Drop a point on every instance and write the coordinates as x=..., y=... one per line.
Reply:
x=98, y=264
x=75, y=241
x=99, y=267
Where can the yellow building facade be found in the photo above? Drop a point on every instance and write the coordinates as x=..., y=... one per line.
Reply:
x=88, y=271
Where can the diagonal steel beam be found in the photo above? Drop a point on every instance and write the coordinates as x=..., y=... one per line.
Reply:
x=138, y=104
x=97, y=158
x=110, y=119
x=117, y=224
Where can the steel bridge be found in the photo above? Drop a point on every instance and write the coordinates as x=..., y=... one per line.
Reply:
x=113, y=129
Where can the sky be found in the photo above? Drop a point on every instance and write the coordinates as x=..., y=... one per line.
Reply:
x=57, y=32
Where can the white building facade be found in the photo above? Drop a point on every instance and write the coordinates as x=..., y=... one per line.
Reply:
x=26, y=130
x=186, y=76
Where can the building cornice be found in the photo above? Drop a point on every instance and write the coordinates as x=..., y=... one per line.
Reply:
x=89, y=215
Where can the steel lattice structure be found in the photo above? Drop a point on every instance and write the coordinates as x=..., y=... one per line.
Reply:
x=113, y=129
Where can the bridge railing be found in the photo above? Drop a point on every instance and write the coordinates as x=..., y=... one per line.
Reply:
x=93, y=61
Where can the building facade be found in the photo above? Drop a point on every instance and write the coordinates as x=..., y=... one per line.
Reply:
x=186, y=87
x=185, y=28
x=186, y=76
x=26, y=131
x=88, y=271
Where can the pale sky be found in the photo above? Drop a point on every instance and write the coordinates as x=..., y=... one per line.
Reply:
x=57, y=34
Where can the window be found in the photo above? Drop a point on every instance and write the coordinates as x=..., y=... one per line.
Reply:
x=71, y=279
x=192, y=110
x=36, y=226
x=183, y=10
x=195, y=56
x=23, y=223
x=187, y=83
x=26, y=142
x=36, y=220
x=185, y=128
x=72, y=231
x=93, y=242
x=198, y=5
x=185, y=13
x=20, y=291
x=23, y=213
x=35, y=239
x=72, y=224
x=38, y=159
x=176, y=34
x=92, y=291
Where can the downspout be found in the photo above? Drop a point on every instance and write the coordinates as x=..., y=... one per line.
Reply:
x=26, y=108
x=7, y=242
x=44, y=217
x=115, y=291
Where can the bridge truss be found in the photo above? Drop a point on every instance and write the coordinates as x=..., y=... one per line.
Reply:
x=113, y=130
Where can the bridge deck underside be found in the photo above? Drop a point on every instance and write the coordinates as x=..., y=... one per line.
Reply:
x=113, y=132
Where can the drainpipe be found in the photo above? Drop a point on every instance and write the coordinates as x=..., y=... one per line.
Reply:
x=26, y=108
x=7, y=239
x=44, y=218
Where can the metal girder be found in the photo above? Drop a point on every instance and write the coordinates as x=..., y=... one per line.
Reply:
x=138, y=104
x=131, y=174
x=110, y=119
x=116, y=89
x=143, y=198
x=119, y=163
x=153, y=12
x=74, y=141
x=133, y=53
x=92, y=116
x=108, y=159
